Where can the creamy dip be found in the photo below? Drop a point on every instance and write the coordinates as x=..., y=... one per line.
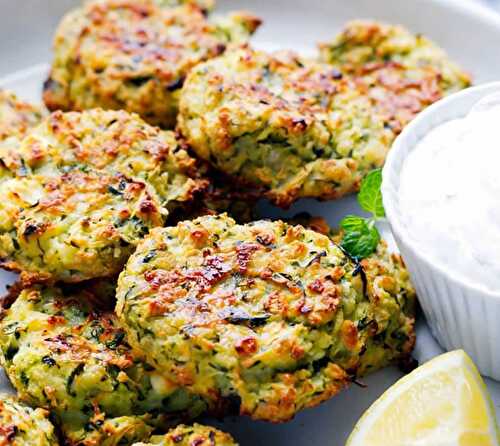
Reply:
x=449, y=195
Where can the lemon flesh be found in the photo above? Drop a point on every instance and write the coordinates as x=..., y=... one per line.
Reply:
x=442, y=403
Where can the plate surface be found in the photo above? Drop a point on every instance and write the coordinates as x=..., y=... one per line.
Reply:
x=469, y=33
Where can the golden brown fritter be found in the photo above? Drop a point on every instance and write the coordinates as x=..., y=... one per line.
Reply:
x=268, y=317
x=299, y=128
x=85, y=187
x=135, y=55
x=64, y=351
x=282, y=123
x=402, y=72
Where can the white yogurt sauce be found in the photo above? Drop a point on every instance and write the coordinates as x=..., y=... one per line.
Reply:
x=449, y=195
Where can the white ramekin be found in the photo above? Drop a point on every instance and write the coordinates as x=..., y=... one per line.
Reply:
x=460, y=314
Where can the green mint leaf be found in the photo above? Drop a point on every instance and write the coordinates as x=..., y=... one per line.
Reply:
x=361, y=237
x=370, y=195
x=352, y=223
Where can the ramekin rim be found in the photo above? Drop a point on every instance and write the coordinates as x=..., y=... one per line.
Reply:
x=391, y=174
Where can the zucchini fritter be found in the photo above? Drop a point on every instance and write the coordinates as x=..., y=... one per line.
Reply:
x=196, y=435
x=402, y=72
x=134, y=55
x=64, y=353
x=277, y=121
x=268, y=317
x=299, y=128
x=21, y=425
x=85, y=188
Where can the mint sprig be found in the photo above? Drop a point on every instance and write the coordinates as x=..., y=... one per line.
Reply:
x=370, y=194
x=361, y=236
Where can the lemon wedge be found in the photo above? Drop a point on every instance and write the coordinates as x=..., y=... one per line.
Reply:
x=442, y=403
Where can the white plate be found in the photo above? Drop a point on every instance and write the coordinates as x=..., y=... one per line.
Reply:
x=469, y=33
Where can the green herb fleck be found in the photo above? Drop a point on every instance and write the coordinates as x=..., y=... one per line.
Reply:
x=11, y=352
x=116, y=341
x=49, y=361
x=78, y=370
x=24, y=379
